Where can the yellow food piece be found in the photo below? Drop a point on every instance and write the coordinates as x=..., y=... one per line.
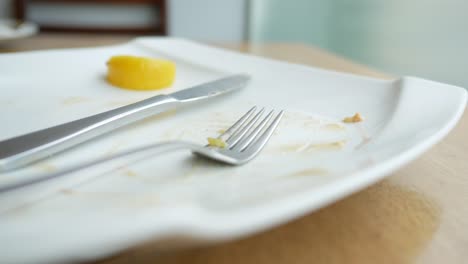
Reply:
x=140, y=73
x=216, y=142
x=353, y=119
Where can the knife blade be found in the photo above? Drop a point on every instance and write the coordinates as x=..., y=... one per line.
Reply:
x=25, y=149
x=213, y=88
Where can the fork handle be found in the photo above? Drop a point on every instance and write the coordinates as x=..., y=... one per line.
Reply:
x=22, y=150
x=22, y=192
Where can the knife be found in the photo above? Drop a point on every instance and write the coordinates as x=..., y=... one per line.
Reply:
x=22, y=150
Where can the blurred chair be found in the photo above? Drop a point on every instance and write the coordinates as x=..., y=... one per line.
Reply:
x=95, y=16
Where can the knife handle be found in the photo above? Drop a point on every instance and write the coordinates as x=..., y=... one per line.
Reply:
x=22, y=150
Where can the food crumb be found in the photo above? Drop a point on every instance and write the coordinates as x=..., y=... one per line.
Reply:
x=130, y=173
x=353, y=119
x=216, y=142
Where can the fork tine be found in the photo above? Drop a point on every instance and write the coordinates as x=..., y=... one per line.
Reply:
x=231, y=130
x=258, y=143
x=240, y=132
x=245, y=141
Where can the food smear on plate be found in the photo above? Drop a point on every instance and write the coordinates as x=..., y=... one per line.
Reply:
x=334, y=127
x=310, y=147
x=353, y=119
x=216, y=142
x=309, y=172
x=140, y=73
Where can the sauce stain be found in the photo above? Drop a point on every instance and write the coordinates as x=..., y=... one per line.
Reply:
x=363, y=142
x=67, y=191
x=193, y=170
x=306, y=148
x=116, y=199
x=46, y=167
x=114, y=148
x=311, y=123
x=334, y=127
x=309, y=172
x=74, y=100
x=130, y=173
x=365, y=138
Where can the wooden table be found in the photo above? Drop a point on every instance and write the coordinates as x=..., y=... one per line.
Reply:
x=417, y=215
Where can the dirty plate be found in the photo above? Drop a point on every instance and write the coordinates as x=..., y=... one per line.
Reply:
x=312, y=159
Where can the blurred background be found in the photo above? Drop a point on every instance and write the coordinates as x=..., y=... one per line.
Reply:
x=424, y=38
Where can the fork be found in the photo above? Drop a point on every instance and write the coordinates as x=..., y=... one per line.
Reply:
x=244, y=141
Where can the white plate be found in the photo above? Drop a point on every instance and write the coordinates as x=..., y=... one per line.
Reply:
x=311, y=161
x=9, y=30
